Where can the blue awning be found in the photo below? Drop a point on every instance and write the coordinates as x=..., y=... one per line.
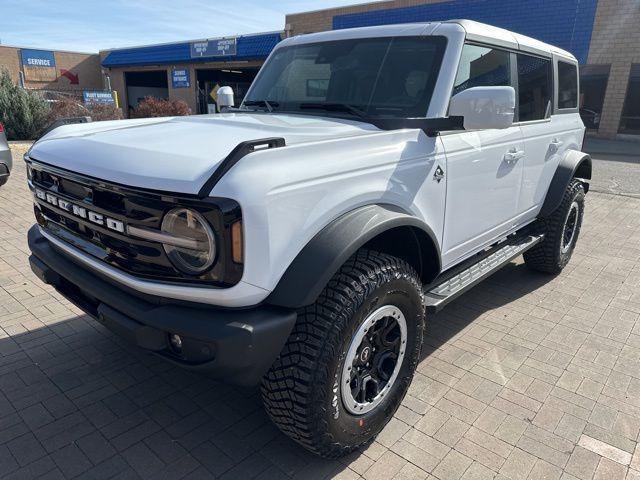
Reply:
x=249, y=47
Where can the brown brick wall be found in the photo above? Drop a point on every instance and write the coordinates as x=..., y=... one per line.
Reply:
x=615, y=41
x=86, y=66
x=10, y=60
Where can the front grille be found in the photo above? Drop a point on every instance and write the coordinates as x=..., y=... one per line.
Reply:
x=135, y=207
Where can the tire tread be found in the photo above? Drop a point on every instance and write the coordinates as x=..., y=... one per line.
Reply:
x=304, y=361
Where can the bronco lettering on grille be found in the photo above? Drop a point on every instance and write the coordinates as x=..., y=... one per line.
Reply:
x=78, y=211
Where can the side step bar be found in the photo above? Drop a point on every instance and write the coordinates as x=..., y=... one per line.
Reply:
x=448, y=287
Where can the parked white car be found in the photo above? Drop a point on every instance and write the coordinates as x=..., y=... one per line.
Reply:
x=370, y=176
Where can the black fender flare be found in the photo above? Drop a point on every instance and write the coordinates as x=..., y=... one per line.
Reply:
x=574, y=164
x=329, y=249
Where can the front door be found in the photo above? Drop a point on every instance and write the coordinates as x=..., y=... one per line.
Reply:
x=484, y=171
x=484, y=167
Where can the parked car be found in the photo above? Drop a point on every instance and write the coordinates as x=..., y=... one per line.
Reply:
x=5, y=157
x=590, y=118
x=302, y=240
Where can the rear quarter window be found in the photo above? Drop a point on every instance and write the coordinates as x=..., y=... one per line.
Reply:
x=567, y=85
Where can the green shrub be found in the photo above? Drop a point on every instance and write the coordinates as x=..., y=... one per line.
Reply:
x=23, y=113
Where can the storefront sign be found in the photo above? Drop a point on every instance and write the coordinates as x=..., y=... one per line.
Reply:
x=38, y=65
x=37, y=58
x=93, y=98
x=222, y=47
x=180, y=78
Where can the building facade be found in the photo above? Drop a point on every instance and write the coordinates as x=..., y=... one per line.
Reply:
x=191, y=71
x=59, y=71
x=602, y=34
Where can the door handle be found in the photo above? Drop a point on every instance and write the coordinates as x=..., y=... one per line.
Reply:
x=556, y=144
x=513, y=155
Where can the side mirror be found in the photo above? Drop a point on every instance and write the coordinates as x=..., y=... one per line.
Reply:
x=225, y=97
x=484, y=107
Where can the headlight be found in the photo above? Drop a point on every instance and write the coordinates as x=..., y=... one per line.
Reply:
x=194, y=248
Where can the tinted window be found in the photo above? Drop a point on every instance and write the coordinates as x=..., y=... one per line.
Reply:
x=534, y=87
x=482, y=67
x=380, y=76
x=567, y=85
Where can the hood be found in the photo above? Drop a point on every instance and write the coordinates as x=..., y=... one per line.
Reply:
x=175, y=154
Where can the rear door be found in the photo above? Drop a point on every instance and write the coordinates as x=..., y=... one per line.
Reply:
x=548, y=116
x=484, y=167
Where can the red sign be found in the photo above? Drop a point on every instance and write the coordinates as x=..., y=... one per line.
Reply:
x=73, y=79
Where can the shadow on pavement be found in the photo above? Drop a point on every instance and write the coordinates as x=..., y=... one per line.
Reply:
x=76, y=401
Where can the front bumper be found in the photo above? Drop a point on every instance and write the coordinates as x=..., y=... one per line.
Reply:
x=236, y=345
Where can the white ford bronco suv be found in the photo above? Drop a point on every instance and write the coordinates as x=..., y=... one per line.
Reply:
x=369, y=177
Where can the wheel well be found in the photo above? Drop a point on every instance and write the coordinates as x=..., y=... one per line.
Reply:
x=584, y=169
x=411, y=244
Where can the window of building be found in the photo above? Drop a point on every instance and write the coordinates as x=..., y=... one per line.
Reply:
x=482, y=67
x=593, y=85
x=630, y=120
x=567, y=85
x=534, y=87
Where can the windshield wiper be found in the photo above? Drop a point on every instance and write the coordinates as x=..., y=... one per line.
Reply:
x=334, y=107
x=264, y=103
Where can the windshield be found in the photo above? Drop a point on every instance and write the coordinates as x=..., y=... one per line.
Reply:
x=374, y=77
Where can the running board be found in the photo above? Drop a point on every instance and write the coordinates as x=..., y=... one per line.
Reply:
x=438, y=295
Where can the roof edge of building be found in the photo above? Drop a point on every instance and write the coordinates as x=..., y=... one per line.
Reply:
x=57, y=50
x=161, y=44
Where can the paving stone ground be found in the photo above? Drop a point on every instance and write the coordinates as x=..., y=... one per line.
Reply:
x=525, y=377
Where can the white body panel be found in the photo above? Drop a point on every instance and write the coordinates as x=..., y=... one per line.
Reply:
x=482, y=189
x=297, y=191
x=545, y=143
x=175, y=154
x=330, y=166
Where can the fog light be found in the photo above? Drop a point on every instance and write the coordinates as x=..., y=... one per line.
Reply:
x=176, y=342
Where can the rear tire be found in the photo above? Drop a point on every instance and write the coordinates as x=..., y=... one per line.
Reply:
x=303, y=392
x=561, y=230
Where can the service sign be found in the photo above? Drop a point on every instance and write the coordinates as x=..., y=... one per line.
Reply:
x=93, y=98
x=180, y=78
x=38, y=65
x=221, y=47
x=37, y=58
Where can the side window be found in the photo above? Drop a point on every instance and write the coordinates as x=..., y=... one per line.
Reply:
x=482, y=67
x=567, y=85
x=534, y=87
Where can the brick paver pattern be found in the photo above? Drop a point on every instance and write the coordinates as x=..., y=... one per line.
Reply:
x=527, y=376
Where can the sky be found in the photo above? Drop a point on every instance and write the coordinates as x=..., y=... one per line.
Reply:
x=92, y=25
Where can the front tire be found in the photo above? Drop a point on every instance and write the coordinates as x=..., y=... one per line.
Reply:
x=561, y=230
x=351, y=356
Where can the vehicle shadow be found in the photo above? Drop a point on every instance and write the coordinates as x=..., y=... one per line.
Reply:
x=74, y=386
